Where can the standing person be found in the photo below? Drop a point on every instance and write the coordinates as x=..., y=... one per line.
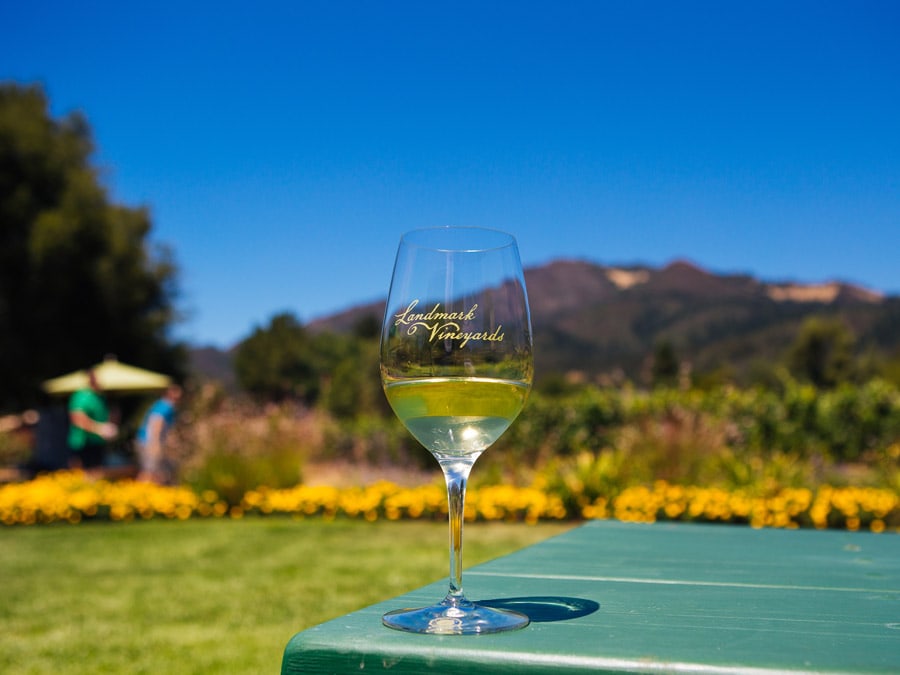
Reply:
x=152, y=434
x=89, y=427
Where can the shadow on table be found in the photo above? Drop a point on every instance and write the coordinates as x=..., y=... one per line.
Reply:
x=540, y=608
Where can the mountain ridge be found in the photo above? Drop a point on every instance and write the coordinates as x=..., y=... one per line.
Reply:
x=598, y=318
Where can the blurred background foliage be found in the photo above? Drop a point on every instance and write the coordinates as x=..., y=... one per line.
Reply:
x=79, y=279
x=78, y=276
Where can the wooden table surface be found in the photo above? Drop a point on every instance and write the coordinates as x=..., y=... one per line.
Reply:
x=611, y=597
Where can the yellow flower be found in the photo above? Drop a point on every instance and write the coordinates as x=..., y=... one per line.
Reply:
x=71, y=496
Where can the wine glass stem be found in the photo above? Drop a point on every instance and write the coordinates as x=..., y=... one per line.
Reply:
x=456, y=474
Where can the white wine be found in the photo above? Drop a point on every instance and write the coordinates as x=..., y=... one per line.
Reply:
x=456, y=416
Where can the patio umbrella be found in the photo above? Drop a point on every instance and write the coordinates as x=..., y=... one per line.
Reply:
x=113, y=376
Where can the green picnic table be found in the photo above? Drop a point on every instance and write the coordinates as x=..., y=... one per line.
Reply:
x=612, y=597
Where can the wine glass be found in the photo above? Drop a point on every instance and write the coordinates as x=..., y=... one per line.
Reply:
x=457, y=366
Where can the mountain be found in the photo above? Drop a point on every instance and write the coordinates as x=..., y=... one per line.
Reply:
x=600, y=320
x=618, y=315
x=212, y=363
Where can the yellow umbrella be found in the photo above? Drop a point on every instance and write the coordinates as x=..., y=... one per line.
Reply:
x=112, y=376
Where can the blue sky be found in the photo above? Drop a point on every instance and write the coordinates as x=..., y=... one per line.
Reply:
x=283, y=147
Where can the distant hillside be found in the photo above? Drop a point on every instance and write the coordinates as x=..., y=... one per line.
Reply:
x=601, y=320
x=213, y=364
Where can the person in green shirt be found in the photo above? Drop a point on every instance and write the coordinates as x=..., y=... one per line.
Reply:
x=89, y=427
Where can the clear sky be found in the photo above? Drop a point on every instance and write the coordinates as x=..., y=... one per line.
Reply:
x=283, y=147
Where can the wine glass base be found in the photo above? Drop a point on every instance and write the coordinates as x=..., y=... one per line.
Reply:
x=455, y=619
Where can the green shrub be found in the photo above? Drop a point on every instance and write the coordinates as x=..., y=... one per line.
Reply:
x=239, y=449
x=373, y=440
x=588, y=442
x=598, y=443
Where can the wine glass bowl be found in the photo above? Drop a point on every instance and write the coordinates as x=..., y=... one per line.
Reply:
x=457, y=367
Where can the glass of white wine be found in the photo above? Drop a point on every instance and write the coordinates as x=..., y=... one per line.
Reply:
x=457, y=366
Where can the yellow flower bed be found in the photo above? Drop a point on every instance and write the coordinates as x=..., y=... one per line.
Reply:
x=73, y=496
x=387, y=500
x=847, y=507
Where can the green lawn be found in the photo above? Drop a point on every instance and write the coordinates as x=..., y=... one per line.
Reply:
x=212, y=596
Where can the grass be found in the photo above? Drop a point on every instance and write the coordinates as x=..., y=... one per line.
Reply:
x=208, y=596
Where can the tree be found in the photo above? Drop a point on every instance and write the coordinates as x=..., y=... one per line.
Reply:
x=277, y=362
x=665, y=367
x=78, y=279
x=354, y=384
x=338, y=372
x=822, y=354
